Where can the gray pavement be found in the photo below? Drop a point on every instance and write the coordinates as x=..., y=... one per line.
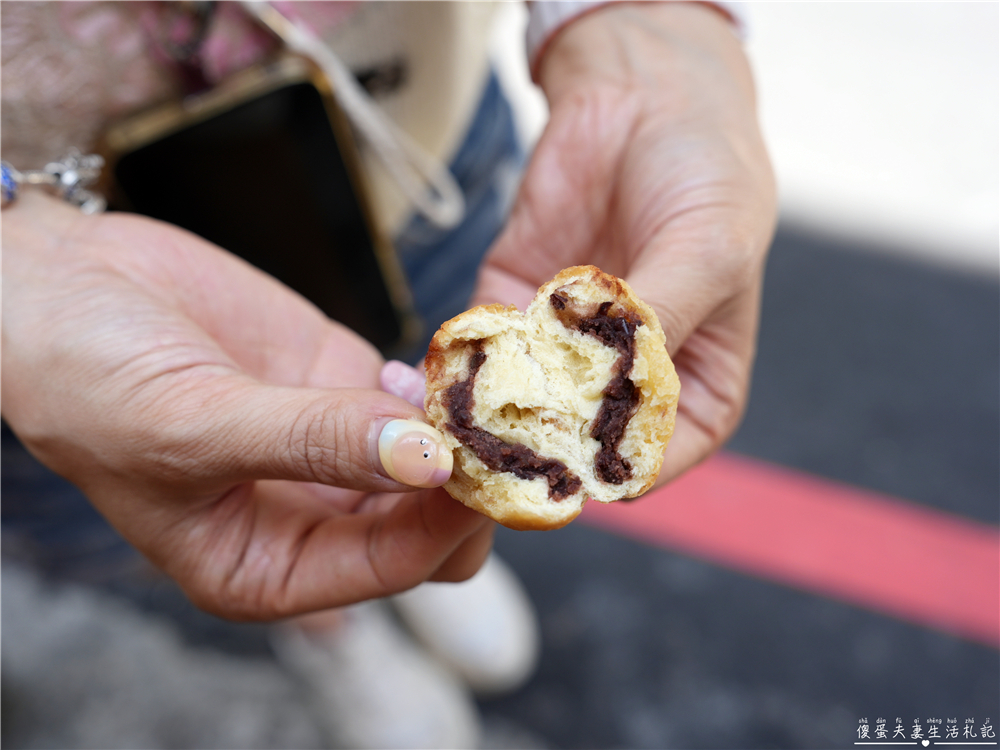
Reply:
x=85, y=669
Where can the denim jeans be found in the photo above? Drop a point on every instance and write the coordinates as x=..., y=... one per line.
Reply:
x=442, y=264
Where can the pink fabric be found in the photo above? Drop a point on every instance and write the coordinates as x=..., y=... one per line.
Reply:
x=236, y=41
x=70, y=68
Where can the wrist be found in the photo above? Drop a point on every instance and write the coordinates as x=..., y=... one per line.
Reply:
x=33, y=225
x=549, y=18
x=633, y=43
x=40, y=208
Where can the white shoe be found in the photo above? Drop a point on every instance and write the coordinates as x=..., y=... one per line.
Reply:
x=485, y=629
x=373, y=688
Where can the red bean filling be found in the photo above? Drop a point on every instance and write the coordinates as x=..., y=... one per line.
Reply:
x=515, y=458
x=621, y=398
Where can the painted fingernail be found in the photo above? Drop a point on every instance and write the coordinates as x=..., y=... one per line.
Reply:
x=414, y=453
x=399, y=379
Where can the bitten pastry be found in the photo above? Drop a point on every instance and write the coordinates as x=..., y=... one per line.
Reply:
x=573, y=400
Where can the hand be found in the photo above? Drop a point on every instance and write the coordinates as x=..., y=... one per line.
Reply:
x=219, y=421
x=652, y=168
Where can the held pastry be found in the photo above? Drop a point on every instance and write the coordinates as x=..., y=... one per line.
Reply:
x=572, y=400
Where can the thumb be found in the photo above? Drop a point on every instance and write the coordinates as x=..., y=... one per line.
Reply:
x=346, y=437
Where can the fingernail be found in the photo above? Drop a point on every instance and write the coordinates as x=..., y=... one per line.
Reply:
x=414, y=453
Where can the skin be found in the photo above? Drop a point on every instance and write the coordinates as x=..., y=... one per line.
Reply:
x=226, y=427
x=218, y=420
x=652, y=168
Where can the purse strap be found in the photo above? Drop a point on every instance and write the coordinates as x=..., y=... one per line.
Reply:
x=424, y=179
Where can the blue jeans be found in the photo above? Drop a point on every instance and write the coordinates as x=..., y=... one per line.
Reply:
x=442, y=264
x=48, y=523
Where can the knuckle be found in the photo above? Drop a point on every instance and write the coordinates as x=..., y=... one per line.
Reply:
x=392, y=567
x=736, y=258
x=726, y=416
x=322, y=445
x=237, y=597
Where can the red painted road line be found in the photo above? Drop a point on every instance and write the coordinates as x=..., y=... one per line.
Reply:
x=885, y=554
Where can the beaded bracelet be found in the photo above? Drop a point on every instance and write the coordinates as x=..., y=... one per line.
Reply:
x=68, y=178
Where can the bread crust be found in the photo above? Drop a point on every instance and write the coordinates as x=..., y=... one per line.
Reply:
x=540, y=382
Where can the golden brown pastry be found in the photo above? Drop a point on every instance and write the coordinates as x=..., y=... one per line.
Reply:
x=573, y=400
